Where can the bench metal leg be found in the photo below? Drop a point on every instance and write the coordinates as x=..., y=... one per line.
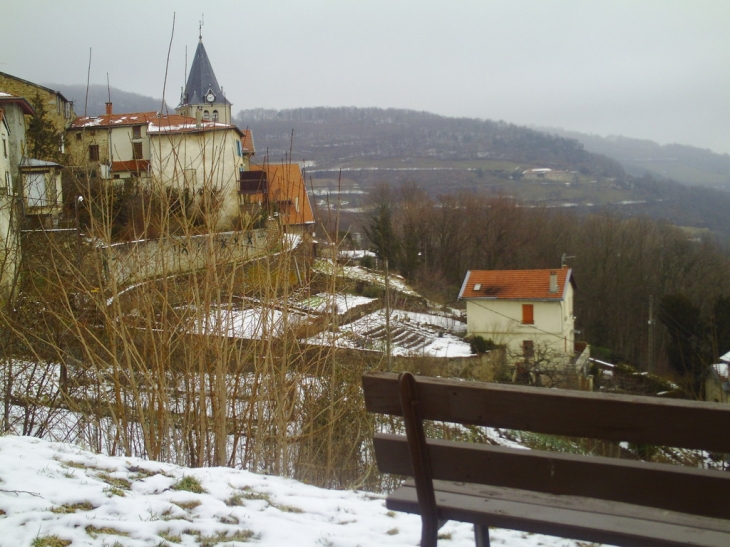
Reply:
x=481, y=535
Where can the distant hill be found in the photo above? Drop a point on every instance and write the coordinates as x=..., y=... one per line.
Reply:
x=331, y=136
x=123, y=101
x=685, y=164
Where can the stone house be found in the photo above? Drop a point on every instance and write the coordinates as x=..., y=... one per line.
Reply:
x=529, y=311
x=59, y=110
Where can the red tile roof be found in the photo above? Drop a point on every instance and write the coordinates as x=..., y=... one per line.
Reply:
x=515, y=284
x=156, y=123
x=115, y=120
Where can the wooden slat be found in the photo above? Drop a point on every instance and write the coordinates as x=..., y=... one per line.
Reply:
x=650, y=420
x=577, y=518
x=670, y=487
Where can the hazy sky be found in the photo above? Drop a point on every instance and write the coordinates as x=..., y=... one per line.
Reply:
x=656, y=69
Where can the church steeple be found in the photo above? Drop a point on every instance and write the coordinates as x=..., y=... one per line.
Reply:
x=202, y=91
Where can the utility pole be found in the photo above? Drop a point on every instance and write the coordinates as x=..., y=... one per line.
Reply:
x=387, y=316
x=650, y=360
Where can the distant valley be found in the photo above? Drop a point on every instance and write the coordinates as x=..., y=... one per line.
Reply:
x=348, y=150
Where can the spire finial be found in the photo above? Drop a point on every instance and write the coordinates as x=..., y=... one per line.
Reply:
x=200, y=27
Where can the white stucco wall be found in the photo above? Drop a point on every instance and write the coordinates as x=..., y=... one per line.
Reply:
x=501, y=321
x=213, y=158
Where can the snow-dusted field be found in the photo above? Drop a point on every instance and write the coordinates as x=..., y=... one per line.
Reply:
x=84, y=499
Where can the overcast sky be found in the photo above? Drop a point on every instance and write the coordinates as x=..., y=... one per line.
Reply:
x=655, y=69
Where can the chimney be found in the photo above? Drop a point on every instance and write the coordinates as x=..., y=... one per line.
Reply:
x=553, y=282
x=108, y=109
x=198, y=116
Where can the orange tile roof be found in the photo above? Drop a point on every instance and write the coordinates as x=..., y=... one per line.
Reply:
x=247, y=142
x=285, y=184
x=515, y=284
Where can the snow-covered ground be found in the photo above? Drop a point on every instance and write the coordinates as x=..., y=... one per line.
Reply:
x=58, y=490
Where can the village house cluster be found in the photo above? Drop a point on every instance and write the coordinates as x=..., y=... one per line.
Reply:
x=196, y=150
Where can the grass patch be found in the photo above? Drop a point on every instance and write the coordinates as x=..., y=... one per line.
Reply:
x=168, y=536
x=239, y=498
x=447, y=535
x=72, y=508
x=94, y=531
x=189, y=484
x=50, y=541
x=187, y=505
x=114, y=482
x=393, y=531
x=287, y=508
x=222, y=537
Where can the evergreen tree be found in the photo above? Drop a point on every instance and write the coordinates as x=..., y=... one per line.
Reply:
x=44, y=140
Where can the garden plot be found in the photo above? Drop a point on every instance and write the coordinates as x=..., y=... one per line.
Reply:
x=411, y=334
x=340, y=303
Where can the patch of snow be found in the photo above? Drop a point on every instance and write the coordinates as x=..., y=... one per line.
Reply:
x=59, y=489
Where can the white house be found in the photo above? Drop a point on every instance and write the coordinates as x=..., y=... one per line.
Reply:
x=529, y=311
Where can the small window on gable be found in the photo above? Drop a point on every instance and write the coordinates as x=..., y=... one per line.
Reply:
x=527, y=314
x=137, y=132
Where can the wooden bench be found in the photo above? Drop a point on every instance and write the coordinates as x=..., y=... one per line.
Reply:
x=584, y=497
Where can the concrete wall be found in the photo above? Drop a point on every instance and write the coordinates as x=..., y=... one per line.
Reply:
x=140, y=260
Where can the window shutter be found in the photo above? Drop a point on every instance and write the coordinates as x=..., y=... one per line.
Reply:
x=527, y=314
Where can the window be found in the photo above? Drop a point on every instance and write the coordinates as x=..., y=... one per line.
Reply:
x=5, y=148
x=137, y=150
x=8, y=183
x=215, y=115
x=36, y=184
x=528, y=349
x=94, y=152
x=206, y=115
x=137, y=132
x=527, y=314
x=78, y=135
x=239, y=148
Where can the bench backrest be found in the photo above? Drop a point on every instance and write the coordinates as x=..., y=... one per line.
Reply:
x=636, y=419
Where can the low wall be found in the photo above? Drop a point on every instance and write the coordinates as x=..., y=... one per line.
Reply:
x=136, y=261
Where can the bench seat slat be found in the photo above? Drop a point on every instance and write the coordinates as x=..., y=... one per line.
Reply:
x=567, y=516
x=640, y=419
x=671, y=487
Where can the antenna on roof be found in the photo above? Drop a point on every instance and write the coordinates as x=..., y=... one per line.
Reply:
x=88, y=75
